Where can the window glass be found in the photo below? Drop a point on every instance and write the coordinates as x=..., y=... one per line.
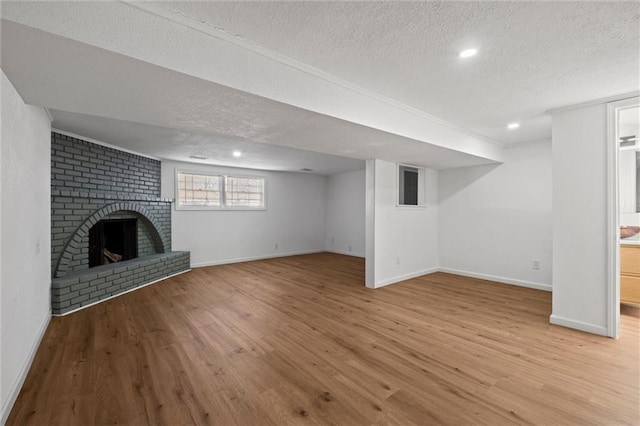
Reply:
x=199, y=191
x=244, y=191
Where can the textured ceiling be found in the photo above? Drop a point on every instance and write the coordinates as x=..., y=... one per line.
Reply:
x=355, y=79
x=143, y=107
x=533, y=56
x=173, y=144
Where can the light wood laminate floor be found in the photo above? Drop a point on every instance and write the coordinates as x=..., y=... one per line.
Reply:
x=300, y=340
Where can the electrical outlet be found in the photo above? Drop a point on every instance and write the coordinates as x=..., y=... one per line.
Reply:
x=349, y=248
x=398, y=260
x=276, y=246
x=535, y=264
x=333, y=241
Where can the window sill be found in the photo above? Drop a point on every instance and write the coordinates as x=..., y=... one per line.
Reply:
x=410, y=207
x=219, y=209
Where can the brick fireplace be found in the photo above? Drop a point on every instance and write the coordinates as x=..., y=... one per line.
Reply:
x=96, y=188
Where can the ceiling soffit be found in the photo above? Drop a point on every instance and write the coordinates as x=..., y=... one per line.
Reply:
x=112, y=26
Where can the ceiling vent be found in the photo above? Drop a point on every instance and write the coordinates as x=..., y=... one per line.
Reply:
x=198, y=157
x=306, y=170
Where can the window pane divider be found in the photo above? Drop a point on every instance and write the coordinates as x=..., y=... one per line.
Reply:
x=227, y=191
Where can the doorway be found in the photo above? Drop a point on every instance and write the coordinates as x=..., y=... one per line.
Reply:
x=623, y=200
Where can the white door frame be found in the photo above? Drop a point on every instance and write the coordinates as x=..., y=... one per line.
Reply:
x=613, y=215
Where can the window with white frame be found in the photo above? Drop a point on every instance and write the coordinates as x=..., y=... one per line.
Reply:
x=411, y=186
x=204, y=191
x=244, y=191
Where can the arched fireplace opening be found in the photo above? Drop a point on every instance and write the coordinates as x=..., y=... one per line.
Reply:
x=149, y=239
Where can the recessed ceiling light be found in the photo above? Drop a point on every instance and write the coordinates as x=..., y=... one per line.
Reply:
x=198, y=157
x=513, y=125
x=467, y=53
x=237, y=154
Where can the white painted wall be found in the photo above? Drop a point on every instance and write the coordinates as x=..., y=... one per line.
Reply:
x=370, y=224
x=25, y=268
x=580, y=219
x=345, y=213
x=495, y=220
x=294, y=219
x=407, y=234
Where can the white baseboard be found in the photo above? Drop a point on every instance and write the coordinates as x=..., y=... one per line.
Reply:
x=405, y=277
x=250, y=258
x=578, y=325
x=504, y=280
x=346, y=253
x=120, y=294
x=7, y=405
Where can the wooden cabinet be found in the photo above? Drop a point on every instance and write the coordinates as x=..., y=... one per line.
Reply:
x=630, y=274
